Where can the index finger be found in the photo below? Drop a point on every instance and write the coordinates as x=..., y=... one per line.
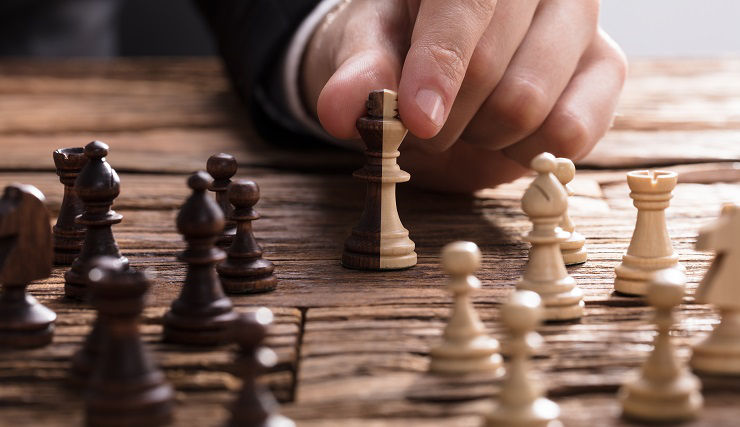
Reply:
x=443, y=41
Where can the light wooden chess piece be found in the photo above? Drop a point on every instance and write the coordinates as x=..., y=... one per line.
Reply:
x=545, y=202
x=719, y=353
x=663, y=389
x=522, y=402
x=379, y=241
x=465, y=346
x=650, y=249
x=572, y=249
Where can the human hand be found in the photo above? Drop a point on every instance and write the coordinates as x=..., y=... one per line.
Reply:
x=483, y=85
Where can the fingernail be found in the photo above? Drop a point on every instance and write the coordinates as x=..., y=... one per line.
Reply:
x=431, y=104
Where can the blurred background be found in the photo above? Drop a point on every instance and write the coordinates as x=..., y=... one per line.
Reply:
x=684, y=28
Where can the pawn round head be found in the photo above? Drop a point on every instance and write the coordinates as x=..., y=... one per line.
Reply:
x=666, y=290
x=544, y=163
x=565, y=170
x=199, y=181
x=523, y=311
x=96, y=150
x=461, y=258
x=243, y=193
x=221, y=166
x=250, y=329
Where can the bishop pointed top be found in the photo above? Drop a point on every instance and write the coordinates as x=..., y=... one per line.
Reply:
x=96, y=150
x=199, y=181
x=97, y=181
x=200, y=216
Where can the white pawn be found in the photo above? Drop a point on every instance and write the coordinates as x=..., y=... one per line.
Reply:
x=521, y=402
x=650, y=248
x=572, y=249
x=465, y=346
x=663, y=389
x=719, y=353
x=545, y=202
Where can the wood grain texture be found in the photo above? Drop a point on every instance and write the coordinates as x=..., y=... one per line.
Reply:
x=352, y=346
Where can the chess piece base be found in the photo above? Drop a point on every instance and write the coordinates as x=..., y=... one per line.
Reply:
x=36, y=328
x=358, y=261
x=272, y=421
x=572, y=249
x=194, y=330
x=719, y=353
x=250, y=278
x=541, y=413
x=562, y=300
x=478, y=355
x=676, y=401
x=633, y=274
x=149, y=408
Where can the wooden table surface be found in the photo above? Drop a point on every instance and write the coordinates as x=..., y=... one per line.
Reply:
x=353, y=346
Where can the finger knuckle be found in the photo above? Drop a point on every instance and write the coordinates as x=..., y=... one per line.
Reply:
x=450, y=59
x=521, y=105
x=482, y=8
x=566, y=134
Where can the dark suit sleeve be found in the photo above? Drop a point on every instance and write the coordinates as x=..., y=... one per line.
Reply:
x=252, y=36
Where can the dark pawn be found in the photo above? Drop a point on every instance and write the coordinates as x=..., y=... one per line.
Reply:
x=245, y=271
x=83, y=361
x=254, y=406
x=68, y=234
x=126, y=388
x=202, y=314
x=222, y=167
x=25, y=255
x=97, y=185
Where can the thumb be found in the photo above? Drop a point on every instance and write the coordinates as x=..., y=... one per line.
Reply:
x=342, y=100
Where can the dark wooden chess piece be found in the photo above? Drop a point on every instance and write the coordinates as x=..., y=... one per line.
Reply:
x=255, y=405
x=84, y=360
x=201, y=314
x=97, y=185
x=126, y=388
x=25, y=255
x=222, y=167
x=245, y=271
x=68, y=234
x=379, y=241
